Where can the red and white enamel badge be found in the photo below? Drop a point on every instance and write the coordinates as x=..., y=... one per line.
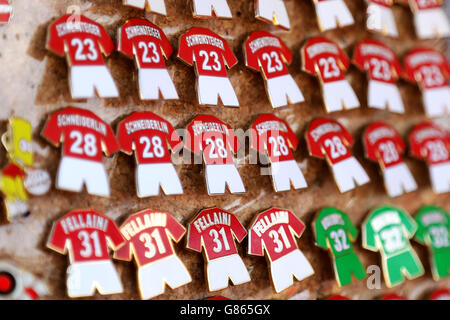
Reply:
x=145, y=42
x=440, y=294
x=383, y=144
x=273, y=138
x=83, y=42
x=214, y=139
x=393, y=296
x=430, y=18
x=84, y=137
x=430, y=142
x=274, y=12
x=154, y=6
x=86, y=236
x=324, y=58
x=211, y=55
x=211, y=8
x=274, y=231
x=214, y=231
x=332, y=14
x=329, y=140
x=431, y=70
x=380, y=17
x=19, y=284
x=383, y=69
x=6, y=11
x=153, y=140
x=149, y=237
x=267, y=53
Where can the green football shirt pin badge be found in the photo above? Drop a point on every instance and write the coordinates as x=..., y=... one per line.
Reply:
x=335, y=232
x=388, y=229
x=433, y=225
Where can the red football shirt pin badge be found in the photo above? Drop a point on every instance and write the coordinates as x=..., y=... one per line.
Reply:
x=324, y=58
x=329, y=140
x=149, y=137
x=430, y=142
x=440, y=294
x=380, y=17
x=430, y=19
x=22, y=174
x=332, y=14
x=19, y=284
x=215, y=139
x=6, y=11
x=267, y=53
x=393, y=296
x=148, y=45
x=383, y=144
x=383, y=68
x=86, y=236
x=274, y=231
x=215, y=230
x=155, y=6
x=84, y=136
x=149, y=237
x=431, y=70
x=272, y=137
x=83, y=42
x=272, y=11
x=211, y=55
x=210, y=8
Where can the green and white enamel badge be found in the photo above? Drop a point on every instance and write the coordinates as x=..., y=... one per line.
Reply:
x=433, y=226
x=388, y=229
x=334, y=231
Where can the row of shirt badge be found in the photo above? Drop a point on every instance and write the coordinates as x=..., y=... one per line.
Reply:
x=147, y=237
x=429, y=17
x=85, y=41
x=83, y=138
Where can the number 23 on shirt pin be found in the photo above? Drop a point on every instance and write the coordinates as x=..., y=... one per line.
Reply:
x=147, y=44
x=267, y=53
x=149, y=237
x=215, y=230
x=83, y=42
x=274, y=231
x=335, y=232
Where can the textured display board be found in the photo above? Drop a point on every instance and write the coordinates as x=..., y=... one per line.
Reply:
x=34, y=83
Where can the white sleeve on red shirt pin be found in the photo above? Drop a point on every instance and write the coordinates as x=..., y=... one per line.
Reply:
x=267, y=53
x=430, y=142
x=156, y=6
x=83, y=42
x=325, y=59
x=329, y=140
x=383, y=144
x=145, y=42
x=211, y=55
x=273, y=137
x=6, y=11
x=383, y=68
x=149, y=137
x=332, y=14
x=214, y=231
